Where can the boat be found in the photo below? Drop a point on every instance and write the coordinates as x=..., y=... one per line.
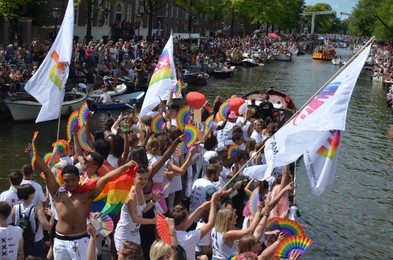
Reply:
x=283, y=57
x=281, y=102
x=27, y=108
x=250, y=63
x=224, y=72
x=323, y=55
x=119, y=90
x=338, y=61
x=196, y=79
x=119, y=102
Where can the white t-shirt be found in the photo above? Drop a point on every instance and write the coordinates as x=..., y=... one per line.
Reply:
x=39, y=194
x=11, y=198
x=201, y=189
x=106, y=98
x=206, y=240
x=9, y=241
x=188, y=240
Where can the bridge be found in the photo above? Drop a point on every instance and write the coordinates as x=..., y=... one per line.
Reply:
x=313, y=15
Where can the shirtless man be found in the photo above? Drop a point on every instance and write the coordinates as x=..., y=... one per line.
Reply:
x=72, y=203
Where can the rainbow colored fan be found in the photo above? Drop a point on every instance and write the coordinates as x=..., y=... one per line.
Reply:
x=289, y=227
x=300, y=243
x=102, y=222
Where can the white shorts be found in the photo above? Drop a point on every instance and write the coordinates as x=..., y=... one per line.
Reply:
x=67, y=247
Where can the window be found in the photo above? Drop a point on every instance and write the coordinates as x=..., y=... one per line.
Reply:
x=119, y=11
x=107, y=7
x=129, y=12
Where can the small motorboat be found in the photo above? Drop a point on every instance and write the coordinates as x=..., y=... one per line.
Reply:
x=119, y=102
x=224, y=72
x=119, y=90
x=196, y=79
x=27, y=108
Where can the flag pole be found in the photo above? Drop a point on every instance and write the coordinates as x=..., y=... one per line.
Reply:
x=298, y=111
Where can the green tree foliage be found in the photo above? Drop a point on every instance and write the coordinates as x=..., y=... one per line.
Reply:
x=384, y=29
x=283, y=13
x=12, y=10
x=151, y=8
x=363, y=17
x=323, y=23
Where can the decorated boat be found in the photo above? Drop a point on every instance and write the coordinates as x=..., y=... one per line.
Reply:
x=27, y=108
x=281, y=102
x=324, y=53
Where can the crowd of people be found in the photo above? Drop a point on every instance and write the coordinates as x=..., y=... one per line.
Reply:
x=135, y=59
x=202, y=192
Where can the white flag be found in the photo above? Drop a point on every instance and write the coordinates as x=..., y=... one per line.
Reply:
x=257, y=172
x=321, y=161
x=162, y=80
x=47, y=84
x=327, y=111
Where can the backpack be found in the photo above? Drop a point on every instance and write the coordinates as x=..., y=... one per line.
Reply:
x=25, y=224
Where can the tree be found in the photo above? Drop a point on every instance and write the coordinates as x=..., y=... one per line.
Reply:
x=323, y=23
x=384, y=26
x=93, y=9
x=12, y=10
x=217, y=10
x=192, y=7
x=363, y=18
x=151, y=7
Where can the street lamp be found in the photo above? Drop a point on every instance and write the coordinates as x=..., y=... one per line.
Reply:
x=56, y=12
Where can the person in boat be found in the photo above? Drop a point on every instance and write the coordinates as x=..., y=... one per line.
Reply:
x=266, y=109
x=105, y=97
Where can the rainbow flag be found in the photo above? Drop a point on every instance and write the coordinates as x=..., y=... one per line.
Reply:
x=163, y=79
x=114, y=194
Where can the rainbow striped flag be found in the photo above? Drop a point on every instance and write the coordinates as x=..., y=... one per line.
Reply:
x=114, y=194
x=162, y=80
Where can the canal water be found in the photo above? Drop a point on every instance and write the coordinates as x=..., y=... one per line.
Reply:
x=353, y=218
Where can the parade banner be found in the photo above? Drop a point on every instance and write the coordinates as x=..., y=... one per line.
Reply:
x=325, y=112
x=47, y=84
x=162, y=80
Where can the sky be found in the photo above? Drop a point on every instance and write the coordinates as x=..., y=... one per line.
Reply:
x=337, y=5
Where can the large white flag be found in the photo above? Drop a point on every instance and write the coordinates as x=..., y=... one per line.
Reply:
x=327, y=111
x=162, y=80
x=321, y=161
x=47, y=84
x=257, y=172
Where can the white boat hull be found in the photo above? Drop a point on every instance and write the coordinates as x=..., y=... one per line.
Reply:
x=23, y=110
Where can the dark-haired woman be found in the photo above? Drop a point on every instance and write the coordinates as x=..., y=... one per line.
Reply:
x=131, y=212
x=25, y=193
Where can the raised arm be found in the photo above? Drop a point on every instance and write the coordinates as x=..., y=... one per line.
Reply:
x=191, y=217
x=233, y=235
x=269, y=251
x=182, y=169
x=216, y=199
x=160, y=162
x=50, y=180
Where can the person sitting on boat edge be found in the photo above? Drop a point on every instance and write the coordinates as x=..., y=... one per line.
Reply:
x=105, y=97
